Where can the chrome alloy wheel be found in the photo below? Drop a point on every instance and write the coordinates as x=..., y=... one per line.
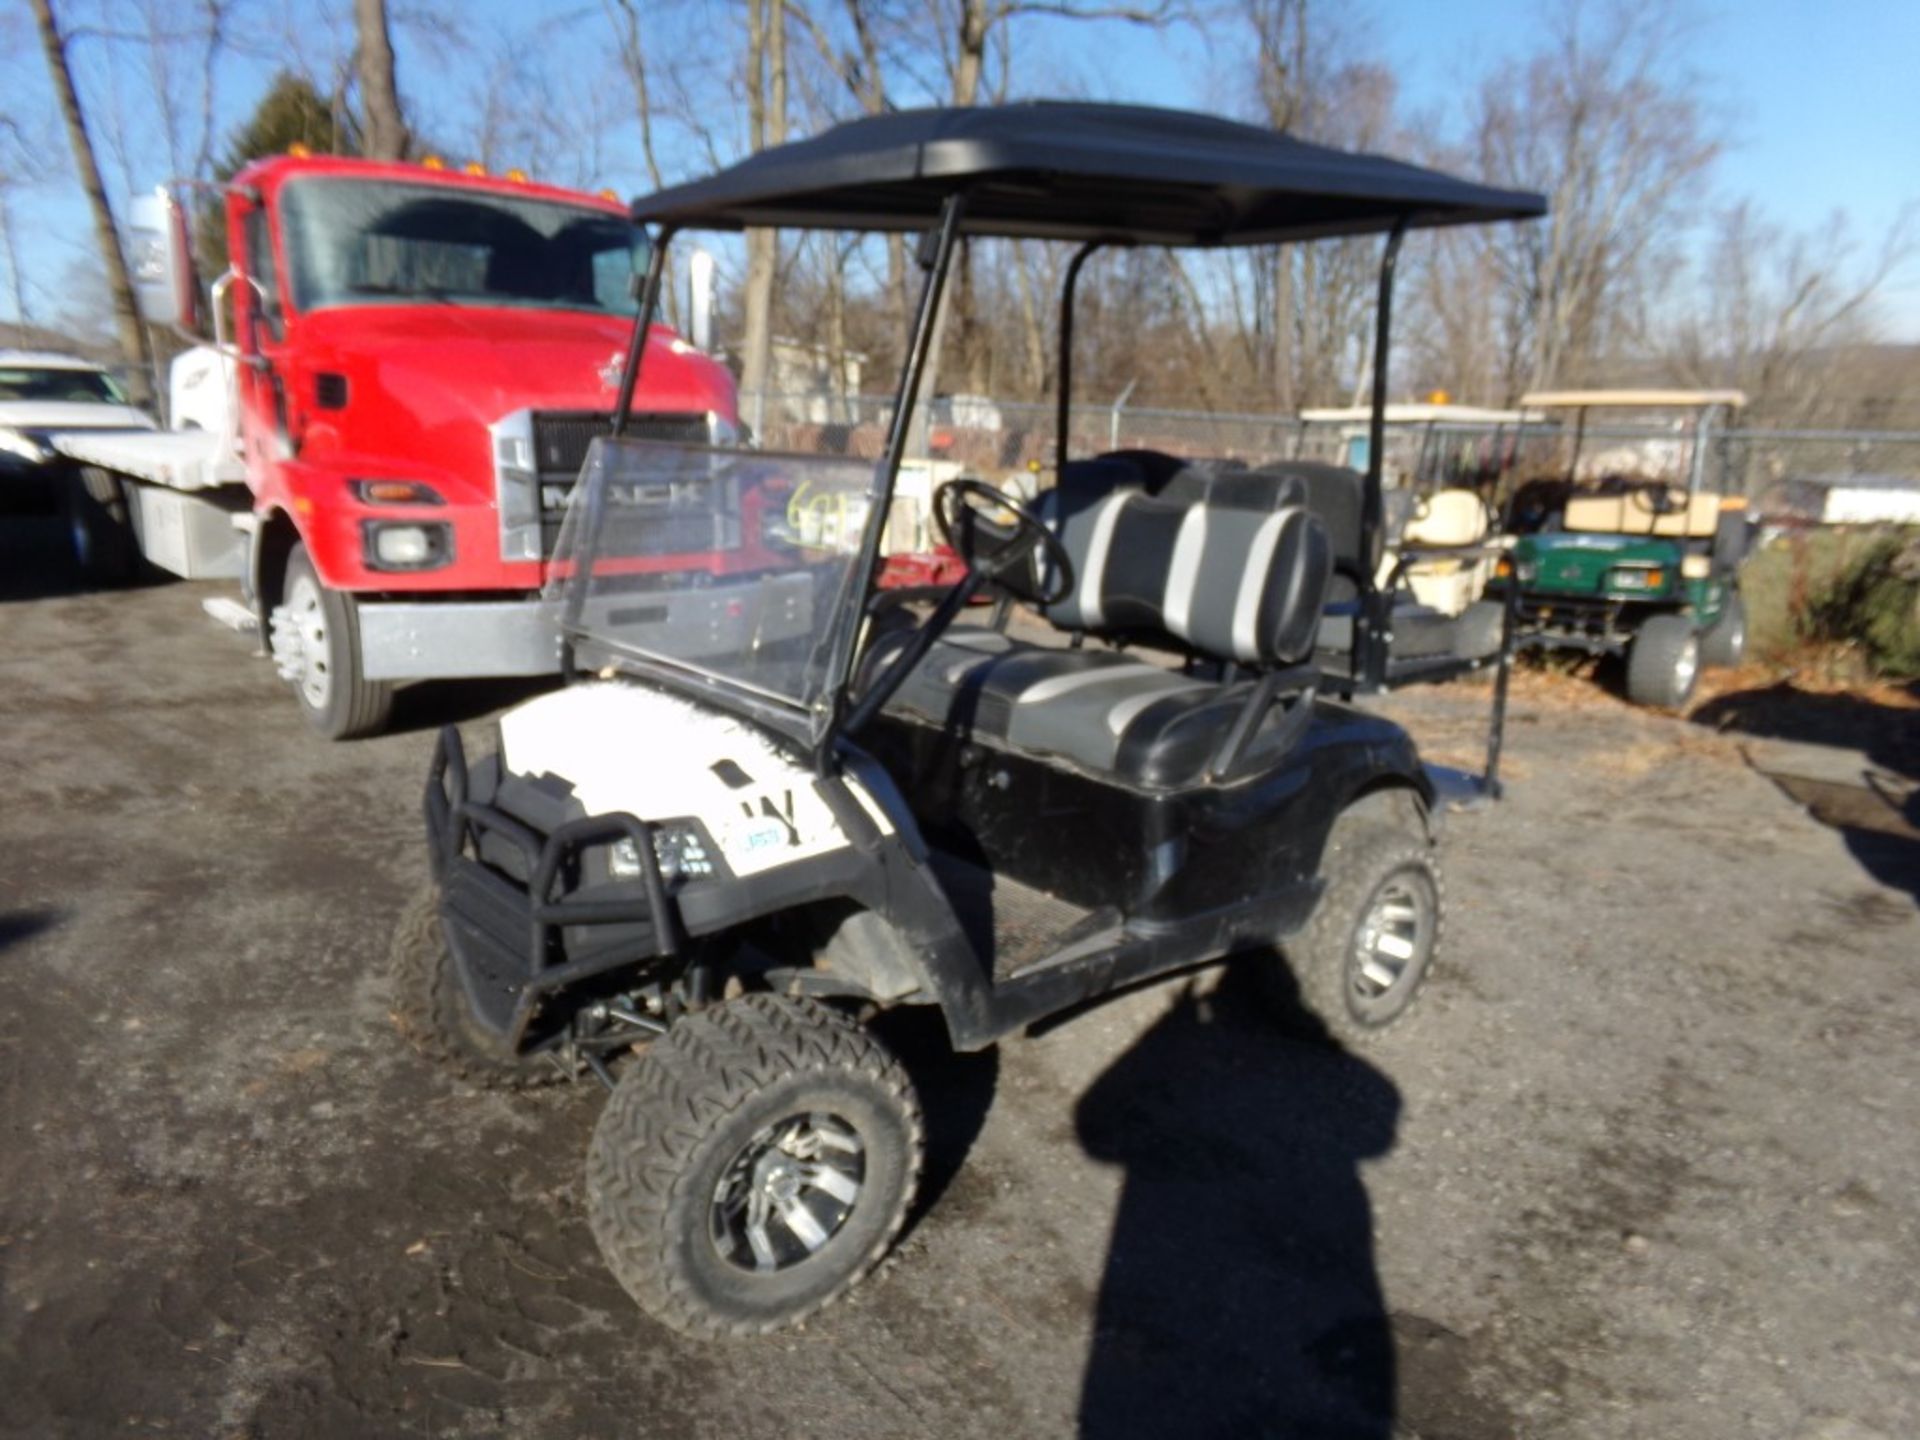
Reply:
x=788, y=1192
x=1392, y=942
x=299, y=641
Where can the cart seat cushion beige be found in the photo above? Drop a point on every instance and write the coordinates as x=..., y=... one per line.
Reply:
x=1447, y=517
x=1634, y=514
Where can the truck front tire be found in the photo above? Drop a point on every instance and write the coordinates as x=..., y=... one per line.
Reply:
x=315, y=635
x=753, y=1165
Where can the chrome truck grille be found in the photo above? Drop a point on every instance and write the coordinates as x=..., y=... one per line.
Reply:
x=537, y=455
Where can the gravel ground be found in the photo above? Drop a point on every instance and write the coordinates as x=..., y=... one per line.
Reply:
x=1641, y=1163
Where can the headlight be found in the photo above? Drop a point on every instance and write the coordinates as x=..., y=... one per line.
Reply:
x=722, y=433
x=406, y=547
x=677, y=845
x=1636, y=577
x=24, y=446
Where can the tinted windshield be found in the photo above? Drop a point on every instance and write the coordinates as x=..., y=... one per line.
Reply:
x=729, y=572
x=364, y=242
x=48, y=384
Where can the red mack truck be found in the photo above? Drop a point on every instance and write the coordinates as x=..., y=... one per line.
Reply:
x=409, y=365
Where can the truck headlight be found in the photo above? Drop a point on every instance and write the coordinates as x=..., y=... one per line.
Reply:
x=391, y=546
x=12, y=442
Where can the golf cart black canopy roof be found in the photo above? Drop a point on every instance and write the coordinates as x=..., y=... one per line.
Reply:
x=1061, y=170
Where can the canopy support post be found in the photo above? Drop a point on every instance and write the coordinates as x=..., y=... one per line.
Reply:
x=1370, y=656
x=1064, y=390
x=642, y=323
x=840, y=665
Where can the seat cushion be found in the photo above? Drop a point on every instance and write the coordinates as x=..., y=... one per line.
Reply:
x=1098, y=709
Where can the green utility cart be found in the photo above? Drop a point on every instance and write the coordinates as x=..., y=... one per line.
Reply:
x=1633, y=552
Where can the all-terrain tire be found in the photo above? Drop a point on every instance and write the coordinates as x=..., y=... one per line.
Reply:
x=333, y=691
x=1372, y=864
x=1724, y=645
x=100, y=527
x=432, y=1013
x=1663, y=663
x=705, y=1099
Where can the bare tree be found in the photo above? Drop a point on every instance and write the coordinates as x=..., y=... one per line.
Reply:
x=131, y=334
x=1598, y=119
x=767, y=127
x=383, y=125
x=1775, y=310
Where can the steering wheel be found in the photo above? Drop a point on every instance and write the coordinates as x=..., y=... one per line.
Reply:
x=1653, y=496
x=962, y=507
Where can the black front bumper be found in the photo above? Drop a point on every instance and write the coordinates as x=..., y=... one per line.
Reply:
x=515, y=942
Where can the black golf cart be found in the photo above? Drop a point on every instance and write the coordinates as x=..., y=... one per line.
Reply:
x=695, y=874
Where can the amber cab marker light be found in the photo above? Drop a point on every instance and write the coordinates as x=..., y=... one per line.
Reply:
x=432, y=162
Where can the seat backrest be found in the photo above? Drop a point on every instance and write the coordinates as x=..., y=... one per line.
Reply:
x=1694, y=519
x=1225, y=580
x=1448, y=517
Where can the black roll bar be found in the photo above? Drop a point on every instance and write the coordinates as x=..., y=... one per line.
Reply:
x=1063, y=391
x=1376, y=604
x=642, y=323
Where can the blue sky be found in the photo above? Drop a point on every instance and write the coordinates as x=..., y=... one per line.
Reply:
x=1818, y=101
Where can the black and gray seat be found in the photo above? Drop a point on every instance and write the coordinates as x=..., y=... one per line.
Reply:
x=1237, y=589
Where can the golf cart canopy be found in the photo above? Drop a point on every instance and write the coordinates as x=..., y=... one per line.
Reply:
x=1059, y=170
x=1631, y=399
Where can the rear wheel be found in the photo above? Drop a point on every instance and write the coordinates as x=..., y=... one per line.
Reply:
x=100, y=527
x=1663, y=663
x=316, y=647
x=753, y=1165
x=432, y=1012
x=1724, y=645
x=1371, y=943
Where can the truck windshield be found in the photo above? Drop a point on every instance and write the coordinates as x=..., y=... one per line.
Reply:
x=730, y=574
x=84, y=387
x=368, y=242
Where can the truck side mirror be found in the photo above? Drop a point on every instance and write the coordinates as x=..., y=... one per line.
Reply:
x=161, y=251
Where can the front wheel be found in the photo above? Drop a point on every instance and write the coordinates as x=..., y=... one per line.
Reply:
x=753, y=1165
x=1663, y=663
x=1371, y=942
x=315, y=635
x=1725, y=643
x=431, y=1010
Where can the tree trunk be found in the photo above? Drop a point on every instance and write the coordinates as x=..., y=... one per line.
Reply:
x=126, y=315
x=767, y=126
x=386, y=135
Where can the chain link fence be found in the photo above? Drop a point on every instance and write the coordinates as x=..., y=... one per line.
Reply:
x=1774, y=469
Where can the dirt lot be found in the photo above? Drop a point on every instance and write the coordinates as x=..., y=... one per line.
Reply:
x=1642, y=1163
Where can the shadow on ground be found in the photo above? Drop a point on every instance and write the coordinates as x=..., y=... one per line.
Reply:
x=37, y=560
x=1240, y=1295
x=1877, y=814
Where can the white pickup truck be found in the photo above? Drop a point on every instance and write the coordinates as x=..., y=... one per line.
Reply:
x=43, y=394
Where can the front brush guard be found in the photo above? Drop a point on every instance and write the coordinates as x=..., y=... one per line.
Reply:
x=513, y=945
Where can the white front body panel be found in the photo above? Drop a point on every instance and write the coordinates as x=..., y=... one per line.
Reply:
x=625, y=747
